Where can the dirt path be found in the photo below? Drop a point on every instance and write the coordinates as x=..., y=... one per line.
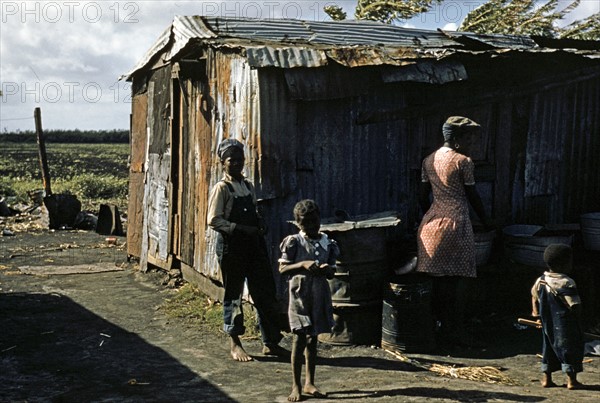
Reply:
x=100, y=337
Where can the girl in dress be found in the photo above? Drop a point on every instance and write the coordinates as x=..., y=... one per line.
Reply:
x=308, y=260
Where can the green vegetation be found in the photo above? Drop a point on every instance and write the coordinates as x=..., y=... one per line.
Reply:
x=95, y=173
x=514, y=17
x=68, y=136
x=191, y=304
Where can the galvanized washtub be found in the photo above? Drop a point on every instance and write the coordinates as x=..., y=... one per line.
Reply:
x=484, y=242
x=524, y=245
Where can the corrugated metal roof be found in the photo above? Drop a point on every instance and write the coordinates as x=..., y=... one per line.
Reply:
x=290, y=43
x=287, y=57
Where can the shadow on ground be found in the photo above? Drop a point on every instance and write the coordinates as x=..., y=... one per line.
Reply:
x=53, y=349
x=461, y=395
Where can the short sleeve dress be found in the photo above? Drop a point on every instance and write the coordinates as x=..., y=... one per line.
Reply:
x=446, y=243
x=310, y=310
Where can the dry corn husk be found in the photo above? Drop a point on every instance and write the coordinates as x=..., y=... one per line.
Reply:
x=481, y=374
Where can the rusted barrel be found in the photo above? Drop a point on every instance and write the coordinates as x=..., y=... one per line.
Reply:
x=407, y=321
x=363, y=263
x=355, y=324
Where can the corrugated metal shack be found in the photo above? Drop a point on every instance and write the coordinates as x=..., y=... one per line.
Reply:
x=344, y=112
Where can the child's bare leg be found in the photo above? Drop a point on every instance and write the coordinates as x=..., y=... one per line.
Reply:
x=311, y=365
x=298, y=346
x=572, y=382
x=237, y=351
x=547, y=380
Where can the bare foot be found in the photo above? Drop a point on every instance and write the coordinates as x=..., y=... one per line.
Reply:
x=547, y=381
x=237, y=351
x=275, y=349
x=573, y=383
x=295, y=396
x=312, y=390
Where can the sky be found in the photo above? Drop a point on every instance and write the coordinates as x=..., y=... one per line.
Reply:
x=66, y=57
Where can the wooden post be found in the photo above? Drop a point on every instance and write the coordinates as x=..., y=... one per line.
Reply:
x=37, y=114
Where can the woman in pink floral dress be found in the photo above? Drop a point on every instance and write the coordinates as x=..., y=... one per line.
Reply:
x=446, y=243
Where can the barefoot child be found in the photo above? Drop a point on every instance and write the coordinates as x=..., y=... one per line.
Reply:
x=242, y=254
x=556, y=302
x=308, y=259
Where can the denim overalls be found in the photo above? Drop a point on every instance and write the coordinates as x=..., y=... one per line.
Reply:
x=245, y=258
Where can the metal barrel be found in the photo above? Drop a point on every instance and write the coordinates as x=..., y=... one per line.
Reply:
x=362, y=266
x=407, y=321
x=355, y=324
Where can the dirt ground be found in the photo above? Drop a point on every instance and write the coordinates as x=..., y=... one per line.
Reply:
x=73, y=332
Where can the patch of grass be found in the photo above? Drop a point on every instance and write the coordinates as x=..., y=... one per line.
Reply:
x=95, y=173
x=99, y=187
x=198, y=309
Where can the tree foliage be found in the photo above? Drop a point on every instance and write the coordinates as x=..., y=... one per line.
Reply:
x=509, y=17
x=386, y=11
x=588, y=29
x=516, y=17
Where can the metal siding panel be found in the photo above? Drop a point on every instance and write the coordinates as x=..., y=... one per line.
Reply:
x=160, y=130
x=244, y=32
x=135, y=214
x=427, y=71
x=562, y=179
x=331, y=82
x=590, y=133
x=188, y=192
x=288, y=57
x=157, y=206
x=139, y=108
x=544, y=146
x=156, y=221
x=502, y=159
x=204, y=253
x=235, y=114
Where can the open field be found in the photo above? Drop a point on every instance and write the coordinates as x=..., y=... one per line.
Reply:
x=95, y=173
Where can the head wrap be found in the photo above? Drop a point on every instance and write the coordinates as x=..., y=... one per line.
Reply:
x=558, y=255
x=227, y=146
x=457, y=125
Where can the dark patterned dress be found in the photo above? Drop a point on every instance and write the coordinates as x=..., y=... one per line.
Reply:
x=445, y=238
x=310, y=310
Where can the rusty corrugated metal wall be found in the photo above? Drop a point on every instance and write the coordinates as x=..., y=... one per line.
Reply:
x=562, y=175
x=216, y=98
x=357, y=147
x=149, y=204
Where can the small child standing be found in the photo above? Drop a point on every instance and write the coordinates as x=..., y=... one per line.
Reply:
x=556, y=302
x=308, y=259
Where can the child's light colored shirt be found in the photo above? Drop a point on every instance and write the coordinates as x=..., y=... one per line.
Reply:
x=558, y=283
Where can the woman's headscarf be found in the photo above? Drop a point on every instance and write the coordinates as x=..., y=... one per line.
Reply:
x=228, y=146
x=457, y=125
